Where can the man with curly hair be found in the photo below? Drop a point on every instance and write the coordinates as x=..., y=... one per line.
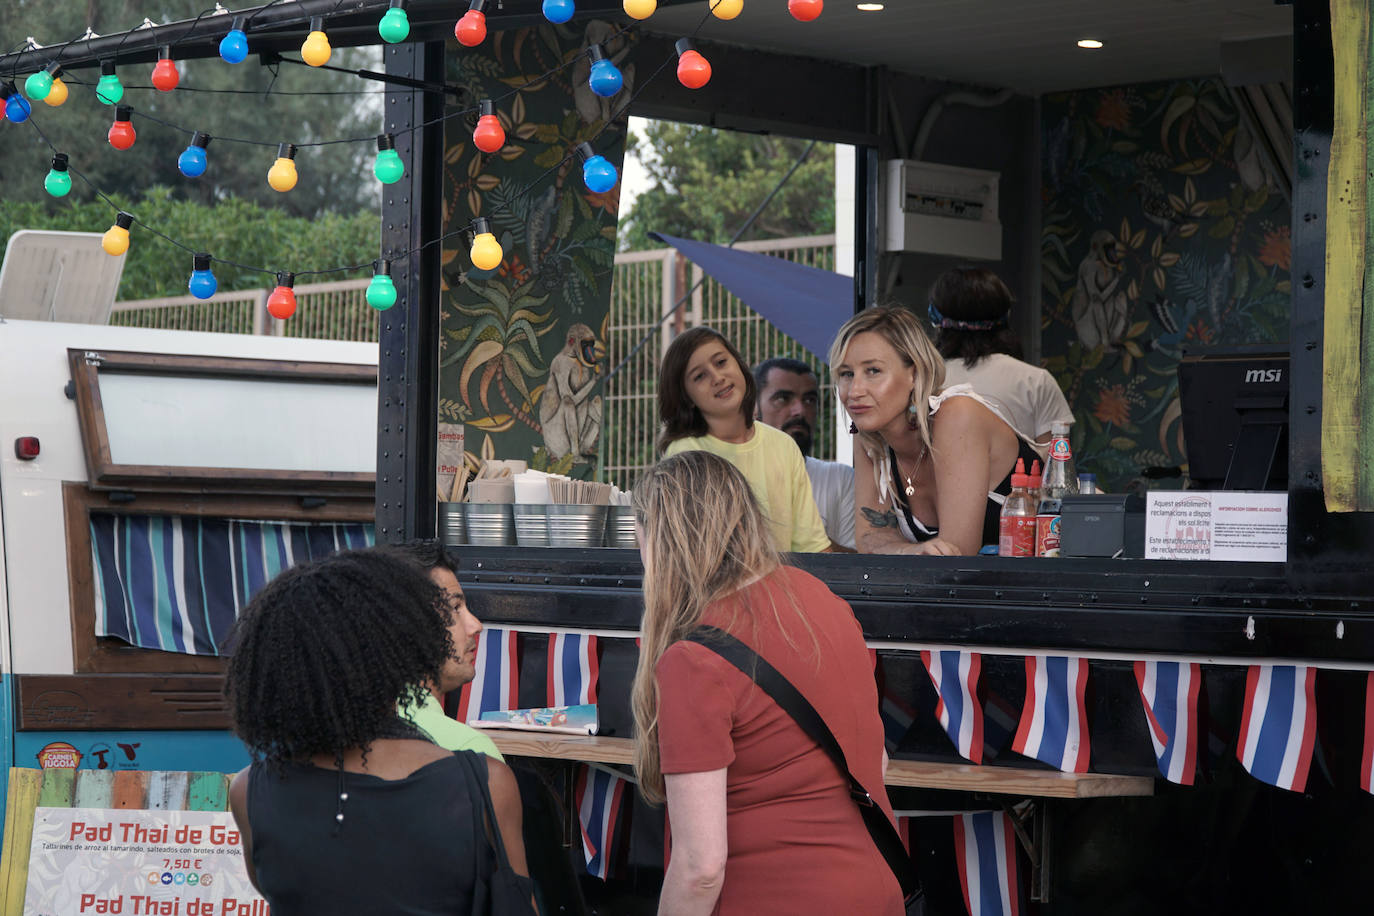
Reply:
x=442, y=568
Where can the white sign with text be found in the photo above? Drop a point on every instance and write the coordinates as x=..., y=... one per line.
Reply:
x=1236, y=525
x=138, y=863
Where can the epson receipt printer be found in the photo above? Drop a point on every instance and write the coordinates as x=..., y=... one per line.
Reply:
x=1102, y=525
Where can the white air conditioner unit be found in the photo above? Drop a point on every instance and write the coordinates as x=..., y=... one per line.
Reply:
x=942, y=209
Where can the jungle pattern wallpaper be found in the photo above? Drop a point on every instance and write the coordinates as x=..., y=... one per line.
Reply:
x=522, y=353
x=1162, y=229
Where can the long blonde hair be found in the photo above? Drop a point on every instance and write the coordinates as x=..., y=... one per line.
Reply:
x=902, y=329
x=705, y=537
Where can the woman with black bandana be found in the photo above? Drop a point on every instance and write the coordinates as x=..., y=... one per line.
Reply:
x=969, y=310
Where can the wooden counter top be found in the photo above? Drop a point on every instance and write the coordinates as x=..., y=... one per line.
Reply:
x=923, y=774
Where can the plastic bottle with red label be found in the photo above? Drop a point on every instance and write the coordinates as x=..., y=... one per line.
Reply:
x=1016, y=531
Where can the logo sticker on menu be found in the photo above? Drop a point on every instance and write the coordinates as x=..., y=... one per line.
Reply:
x=59, y=755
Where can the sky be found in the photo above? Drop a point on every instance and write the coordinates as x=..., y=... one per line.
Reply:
x=634, y=179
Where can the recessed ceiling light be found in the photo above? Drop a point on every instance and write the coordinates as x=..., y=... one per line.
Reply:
x=1091, y=43
x=869, y=7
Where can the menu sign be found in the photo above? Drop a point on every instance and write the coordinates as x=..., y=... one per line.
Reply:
x=138, y=863
x=1235, y=525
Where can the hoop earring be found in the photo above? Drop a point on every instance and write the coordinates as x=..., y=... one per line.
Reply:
x=853, y=430
x=912, y=416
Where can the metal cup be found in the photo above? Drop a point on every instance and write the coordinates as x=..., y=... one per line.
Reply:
x=453, y=524
x=577, y=526
x=620, y=527
x=490, y=524
x=531, y=524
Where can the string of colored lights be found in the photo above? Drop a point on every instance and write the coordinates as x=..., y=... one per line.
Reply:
x=486, y=252
x=112, y=93
x=599, y=174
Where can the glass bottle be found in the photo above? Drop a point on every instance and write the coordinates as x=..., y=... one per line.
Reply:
x=1060, y=477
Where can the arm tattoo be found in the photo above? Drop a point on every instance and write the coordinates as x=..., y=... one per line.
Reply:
x=877, y=519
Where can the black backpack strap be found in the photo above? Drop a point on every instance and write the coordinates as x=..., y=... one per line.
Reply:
x=772, y=682
x=477, y=781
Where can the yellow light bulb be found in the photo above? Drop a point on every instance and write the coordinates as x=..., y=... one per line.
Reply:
x=115, y=241
x=640, y=9
x=57, y=94
x=486, y=252
x=282, y=175
x=727, y=9
x=316, y=50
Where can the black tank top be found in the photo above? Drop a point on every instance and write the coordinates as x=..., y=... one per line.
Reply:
x=992, y=512
x=407, y=846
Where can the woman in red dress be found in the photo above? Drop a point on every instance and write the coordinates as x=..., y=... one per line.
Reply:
x=760, y=818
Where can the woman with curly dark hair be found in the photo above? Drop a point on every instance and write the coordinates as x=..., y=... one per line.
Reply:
x=349, y=808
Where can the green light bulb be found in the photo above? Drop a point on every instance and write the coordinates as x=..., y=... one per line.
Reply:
x=109, y=89
x=395, y=25
x=381, y=292
x=38, y=85
x=389, y=167
x=59, y=181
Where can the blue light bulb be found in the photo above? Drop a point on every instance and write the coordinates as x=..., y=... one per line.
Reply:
x=605, y=79
x=17, y=108
x=193, y=160
x=233, y=47
x=558, y=10
x=599, y=174
x=203, y=283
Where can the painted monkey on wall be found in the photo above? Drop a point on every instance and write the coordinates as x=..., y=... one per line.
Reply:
x=569, y=414
x=1100, y=310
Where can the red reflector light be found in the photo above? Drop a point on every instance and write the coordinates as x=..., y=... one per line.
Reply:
x=26, y=448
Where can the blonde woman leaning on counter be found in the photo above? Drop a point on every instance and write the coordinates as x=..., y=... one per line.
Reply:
x=931, y=464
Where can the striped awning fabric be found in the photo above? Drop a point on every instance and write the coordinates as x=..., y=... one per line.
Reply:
x=177, y=583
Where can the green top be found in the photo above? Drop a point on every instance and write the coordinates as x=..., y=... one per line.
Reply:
x=449, y=734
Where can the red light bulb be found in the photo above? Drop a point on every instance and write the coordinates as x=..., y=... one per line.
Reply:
x=693, y=70
x=471, y=30
x=282, y=303
x=805, y=10
x=488, y=135
x=122, y=134
x=165, y=75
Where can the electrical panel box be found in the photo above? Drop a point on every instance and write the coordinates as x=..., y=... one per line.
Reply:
x=942, y=209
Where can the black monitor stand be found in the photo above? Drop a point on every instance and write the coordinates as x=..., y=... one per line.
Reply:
x=1259, y=459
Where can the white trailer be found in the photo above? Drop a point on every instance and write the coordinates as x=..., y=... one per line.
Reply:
x=130, y=430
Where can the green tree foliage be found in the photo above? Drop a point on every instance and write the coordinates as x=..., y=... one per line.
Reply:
x=708, y=181
x=283, y=103
x=236, y=229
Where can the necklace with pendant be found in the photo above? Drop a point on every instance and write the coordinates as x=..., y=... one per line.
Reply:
x=910, y=488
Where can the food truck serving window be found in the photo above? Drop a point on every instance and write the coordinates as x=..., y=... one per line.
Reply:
x=163, y=422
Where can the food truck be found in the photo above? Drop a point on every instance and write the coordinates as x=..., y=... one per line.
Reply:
x=1276, y=648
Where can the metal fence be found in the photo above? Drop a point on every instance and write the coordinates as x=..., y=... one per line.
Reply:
x=329, y=311
x=645, y=288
